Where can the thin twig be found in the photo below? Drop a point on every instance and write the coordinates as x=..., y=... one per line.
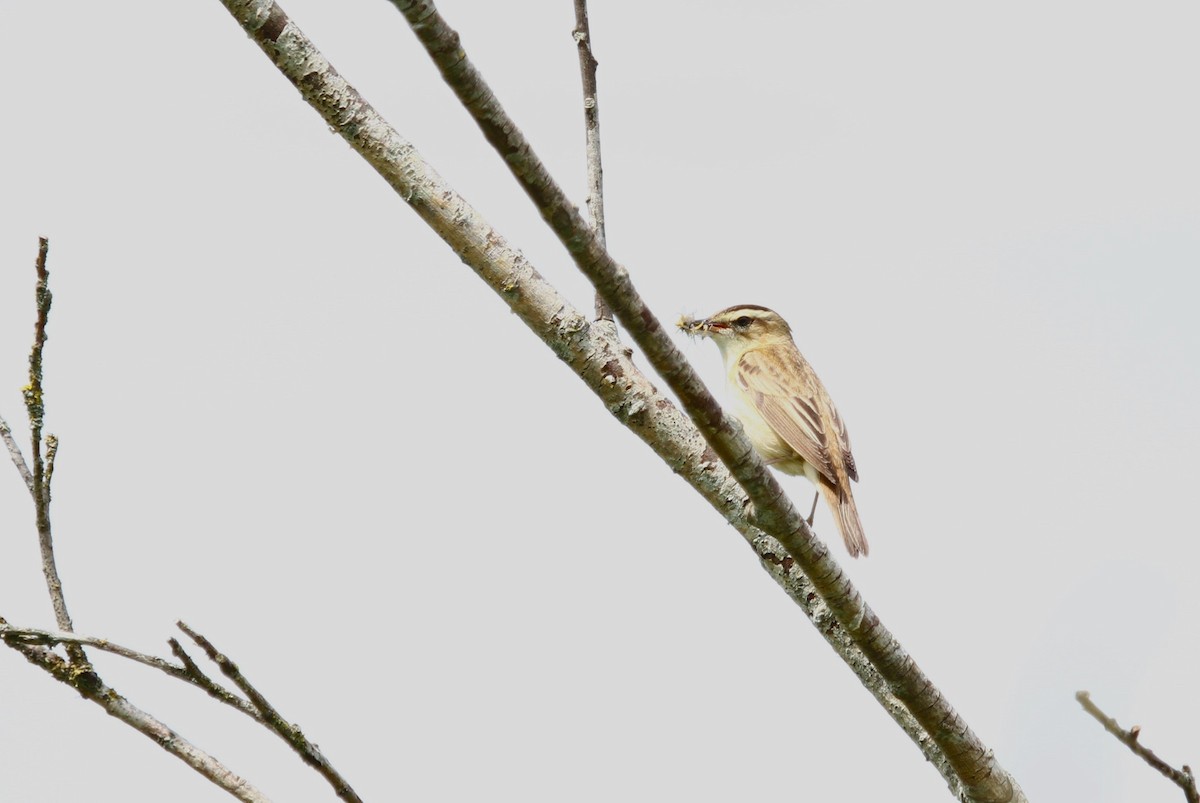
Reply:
x=48, y=638
x=35, y=406
x=290, y=733
x=197, y=677
x=591, y=122
x=14, y=452
x=89, y=685
x=78, y=672
x=34, y=402
x=188, y=672
x=1182, y=778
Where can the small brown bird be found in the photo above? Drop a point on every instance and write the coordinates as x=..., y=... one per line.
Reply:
x=784, y=408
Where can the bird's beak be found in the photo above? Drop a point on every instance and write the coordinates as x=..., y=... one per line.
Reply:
x=696, y=326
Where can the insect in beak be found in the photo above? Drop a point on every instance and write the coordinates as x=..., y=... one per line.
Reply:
x=693, y=326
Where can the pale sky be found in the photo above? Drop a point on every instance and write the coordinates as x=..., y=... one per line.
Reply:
x=292, y=418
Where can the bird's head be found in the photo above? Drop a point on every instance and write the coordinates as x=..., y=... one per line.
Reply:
x=739, y=328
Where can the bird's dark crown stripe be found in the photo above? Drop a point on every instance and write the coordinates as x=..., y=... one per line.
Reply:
x=749, y=307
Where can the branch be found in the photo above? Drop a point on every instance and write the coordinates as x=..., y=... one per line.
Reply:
x=1182, y=778
x=17, y=636
x=591, y=123
x=78, y=672
x=291, y=734
x=14, y=452
x=43, y=469
x=32, y=642
x=981, y=776
x=92, y=688
x=186, y=671
x=600, y=361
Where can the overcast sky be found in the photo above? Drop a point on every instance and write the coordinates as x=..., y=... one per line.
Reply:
x=292, y=418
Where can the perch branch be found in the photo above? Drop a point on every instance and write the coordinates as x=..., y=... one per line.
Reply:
x=186, y=671
x=76, y=671
x=606, y=367
x=982, y=777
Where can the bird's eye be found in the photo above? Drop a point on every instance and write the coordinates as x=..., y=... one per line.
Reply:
x=743, y=322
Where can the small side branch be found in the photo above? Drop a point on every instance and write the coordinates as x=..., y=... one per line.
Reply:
x=91, y=687
x=14, y=452
x=43, y=468
x=15, y=636
x=34, y=644
x=290, y=733
x=591, y=121
x=1182, y=778
x=186, y=670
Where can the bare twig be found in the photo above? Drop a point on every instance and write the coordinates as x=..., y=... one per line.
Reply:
x=92, y=688
x=591, y=122
x=258, y=708
x=188, y=672
x=43, y=469
x=290, y=733
x=1182, y=778
x=77, y=672
x=34, y=402
x=198, y=677
x=601, y=362
x=48, y=638
x=14, y=452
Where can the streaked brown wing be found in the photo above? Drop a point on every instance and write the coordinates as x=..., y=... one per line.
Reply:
x=795, y=416
x=844, y=441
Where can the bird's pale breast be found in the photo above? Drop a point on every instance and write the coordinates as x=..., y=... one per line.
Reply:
x=772, y=448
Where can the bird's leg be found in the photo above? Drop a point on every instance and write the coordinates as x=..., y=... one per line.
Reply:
x=813, y=513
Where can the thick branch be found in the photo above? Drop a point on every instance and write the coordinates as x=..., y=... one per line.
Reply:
x=601, y=362
x=973, y=762
x=1182, y=778
x=49, y=638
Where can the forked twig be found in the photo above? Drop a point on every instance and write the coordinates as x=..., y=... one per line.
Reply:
x=290, y=733
x=36, y=645
x=1182, y=778
x=91, y=687
x=43, y=468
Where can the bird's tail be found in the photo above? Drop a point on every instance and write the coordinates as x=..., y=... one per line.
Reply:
x=841, y=502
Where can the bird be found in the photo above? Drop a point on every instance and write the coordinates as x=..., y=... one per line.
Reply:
x=784, y=409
